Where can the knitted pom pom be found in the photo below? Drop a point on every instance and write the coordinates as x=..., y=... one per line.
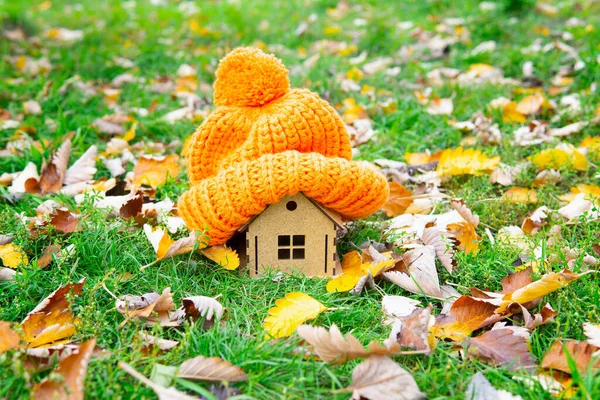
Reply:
x=248, y=77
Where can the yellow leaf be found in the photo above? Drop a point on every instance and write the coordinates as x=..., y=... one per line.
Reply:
x=223, y=256
x=130, y=134
x=465, y=162
x=351, y=273
x=591, y=192
x=535, y=290
x=354, y=74
x=291, y=312
x=520, y=195
x=591, y=143
x=465, y=233
x=480, y=69
x=510, y=113
x=21, y=62
x=560, y=158
x=332, y=30
x=531, y=104
x=163, y=246
x=12, y=256
x=154, y=172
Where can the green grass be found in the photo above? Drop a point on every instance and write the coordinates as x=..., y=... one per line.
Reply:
x=107, y=249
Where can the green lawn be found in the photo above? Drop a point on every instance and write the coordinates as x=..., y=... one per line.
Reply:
x=158, y=39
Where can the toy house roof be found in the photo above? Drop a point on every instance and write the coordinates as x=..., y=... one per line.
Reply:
x=332, y=215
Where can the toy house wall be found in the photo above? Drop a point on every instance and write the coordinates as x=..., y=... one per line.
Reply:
x=278, y=231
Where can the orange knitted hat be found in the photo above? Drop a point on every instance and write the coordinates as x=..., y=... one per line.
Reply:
x=264, y=141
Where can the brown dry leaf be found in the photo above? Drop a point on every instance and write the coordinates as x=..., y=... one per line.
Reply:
x=468, y=239
x=66, y=382
x=9, y=339
x=414, y=330
x=153, y=308
x=46, y=257
x=132, y=207
x=443, y=244
x=463, y=209
x=501, y=347
x=165, y=247
x=151, y=342
x=399, y=200
x=545, y=316
x=534, y=222
x=213, y=369
x=52, y=320
x=581, y=352
x=53, y=173
x=163, y=393
x=64, y=221
x=520, y=195
x=468, y=315
x=83, y=169
x=154, y=172
x=333, y=347
x=380, y=378
x=549, y=283
x=422, y=277
x=202, y=307
x=516, y=280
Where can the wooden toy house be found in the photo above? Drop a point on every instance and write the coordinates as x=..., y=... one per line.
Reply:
x=295, y=234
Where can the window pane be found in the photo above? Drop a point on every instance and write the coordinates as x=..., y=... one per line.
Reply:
x=298, y=240
x=298, y=254
x=284, y=254
x=283, y=240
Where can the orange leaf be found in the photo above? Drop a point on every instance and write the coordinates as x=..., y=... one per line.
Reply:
x=398, y=201
x=581, y=352
x=154, y=172
x=465, y=233
x=510, y=113
x=9, y=339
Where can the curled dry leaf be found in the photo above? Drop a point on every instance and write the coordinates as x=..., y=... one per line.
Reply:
x=154, y=172
x=501, y=347
x=414, y=331
x=150, y=341
x=83, y=169
x=52, y=320
x=421, y=276
x=467, y=314
x=443, y=244
x=535, y=290
x=398, y=306
x=53, y=173
x=155, y=309
x=580, y=352
x=26, y=181
x=463, y=209
x=66, y=382
x=380, y=378
x=534, y=222
x=165, y=247
x=64, y=221
x=333, y=347
x=202, y=307
x=213, y=369
x=46, y=257
x=399, y=200
x=288, y=313
x=358, y=269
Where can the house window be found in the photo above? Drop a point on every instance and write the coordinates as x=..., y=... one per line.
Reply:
x=291, y=247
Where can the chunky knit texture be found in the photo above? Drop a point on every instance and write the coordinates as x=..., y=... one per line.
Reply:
x=264, y=141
